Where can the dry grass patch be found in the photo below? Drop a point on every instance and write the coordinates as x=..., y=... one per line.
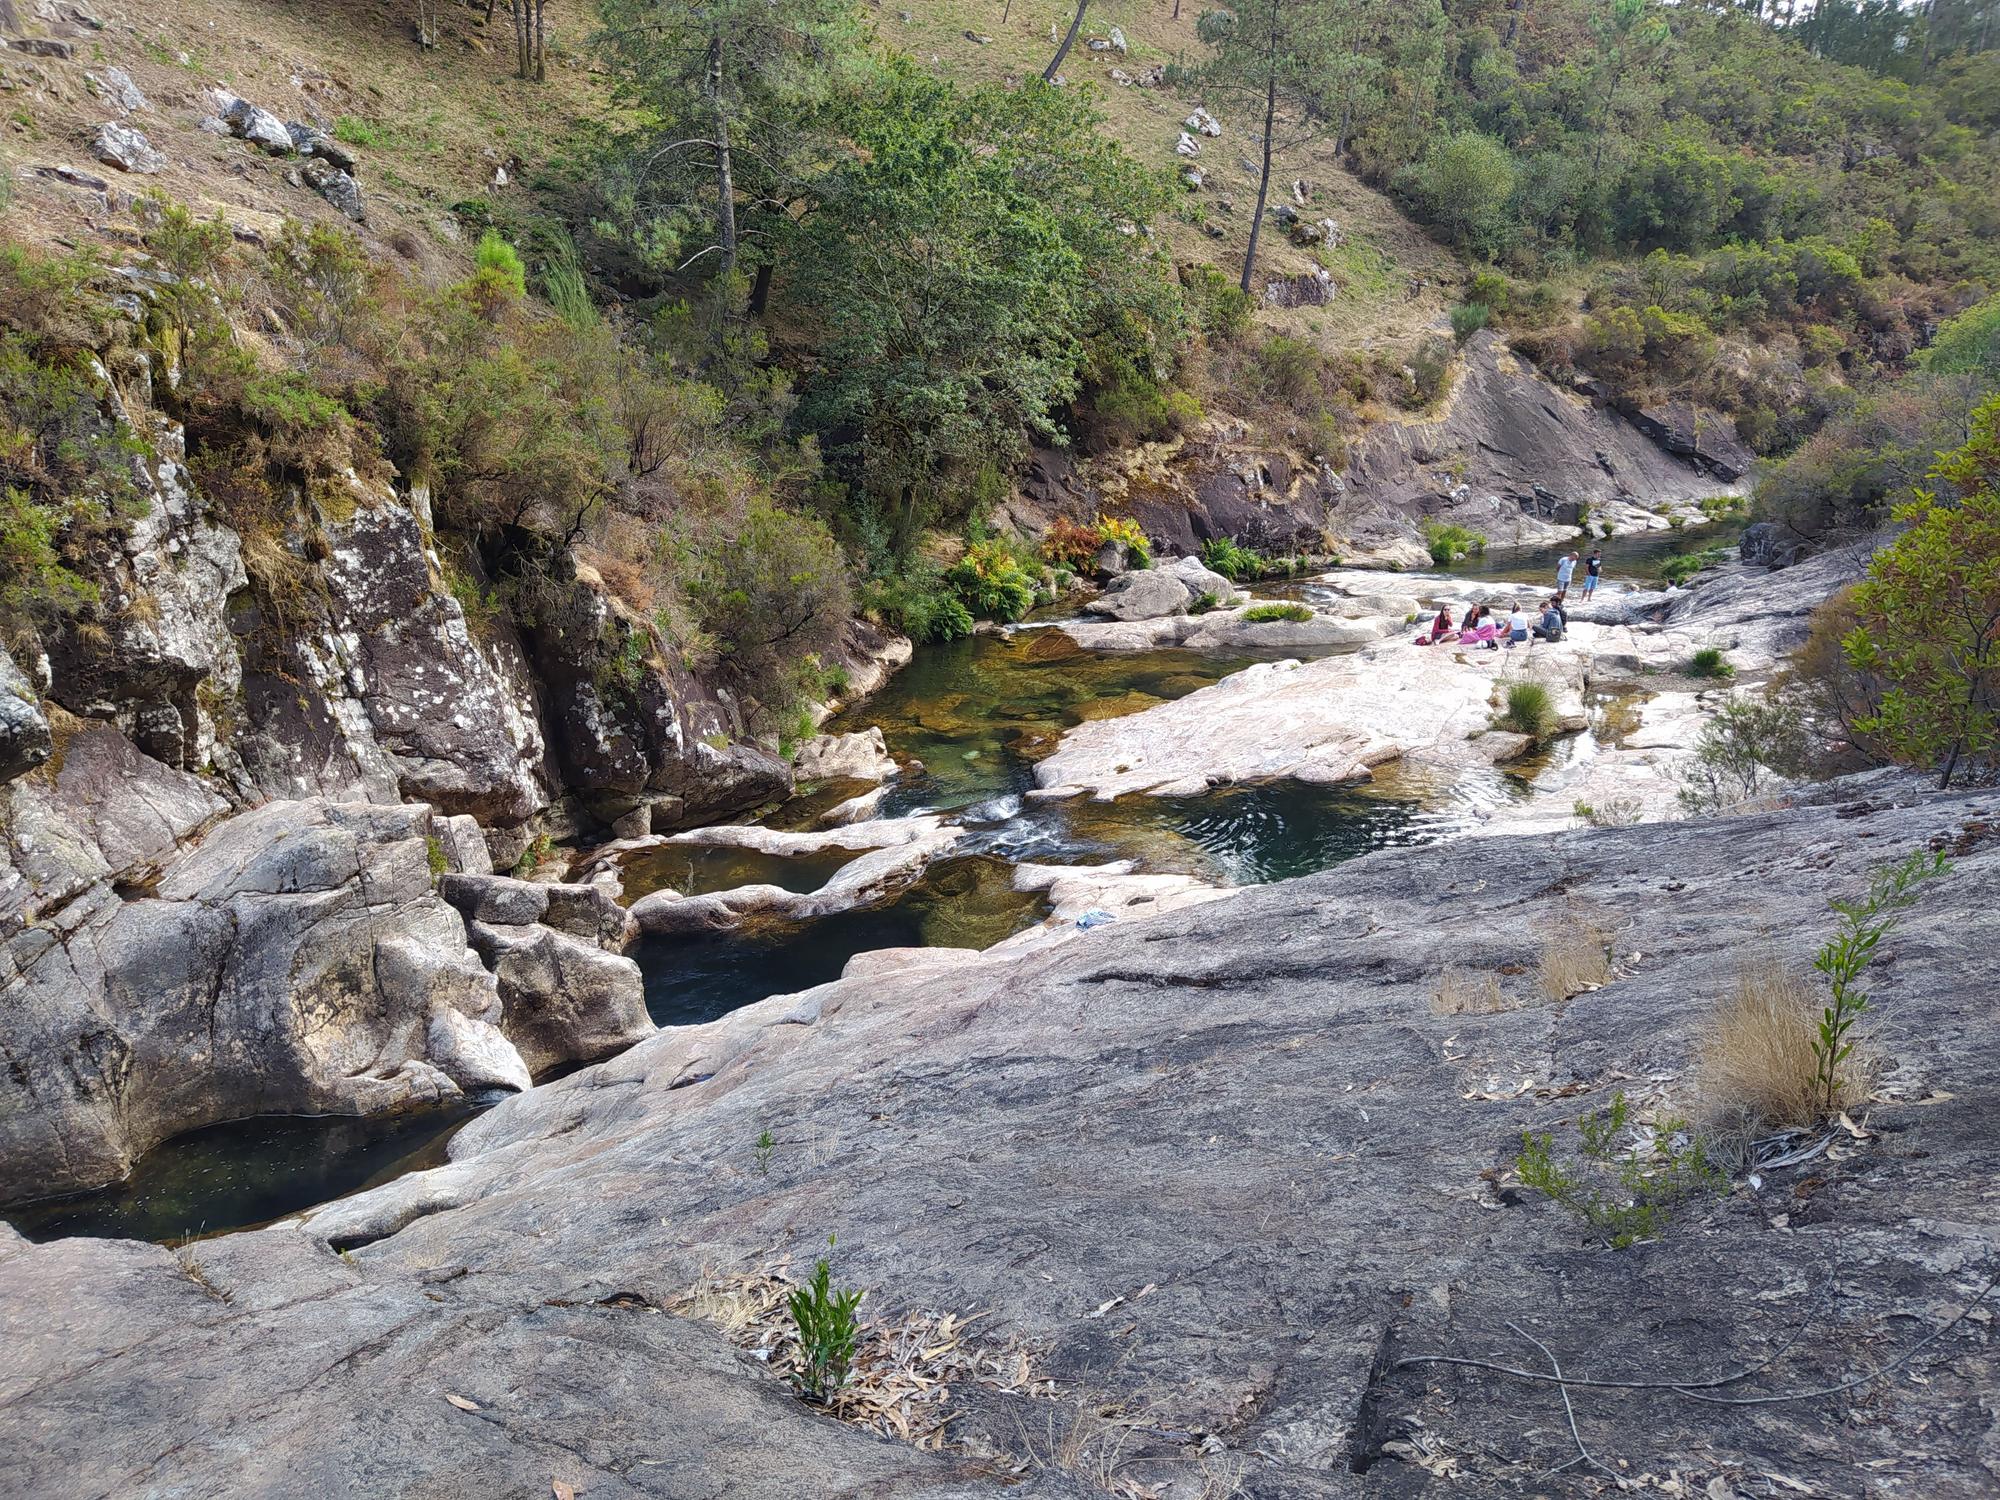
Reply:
x=1758, y=1060
x=1576, y=956
x=1461, y=992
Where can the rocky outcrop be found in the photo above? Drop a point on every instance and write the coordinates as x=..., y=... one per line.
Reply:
x=1507, y=453
x=1513, y=456
x=290, y=959
x=860, y=756
x=1221, y=1177
x=25, y=741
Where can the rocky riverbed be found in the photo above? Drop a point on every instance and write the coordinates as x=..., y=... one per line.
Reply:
x=1207, y=1182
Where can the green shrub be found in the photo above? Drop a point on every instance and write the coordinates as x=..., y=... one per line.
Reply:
x=1264, y=614
x=1710, y=662
x=1641, y=1184
x=1221, y=308
x=1530, y=710
x=823, y=1318
x=992, y=581
x=768, y=590
x=919, y=603
x=1748, y=740
x=1467, y=318
x=1863, y=925
x=1126, y=530
x=1678, y=570
x=499, y=278
x=1203, y=602
x=1234, y=562
x=1288, y=371
x=1448, y=542
x=1430, y=372
x=434, y=855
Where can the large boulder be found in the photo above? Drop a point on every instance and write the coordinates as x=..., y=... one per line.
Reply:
x=336, y=186
x=1200, y=579
x=254, y=124
x=125, y=148
x=1148, y=594
x=565, y=999
x=860, y=756
x=24, y=730
x=293, y=959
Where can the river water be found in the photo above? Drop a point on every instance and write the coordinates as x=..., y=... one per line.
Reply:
x=977, y=715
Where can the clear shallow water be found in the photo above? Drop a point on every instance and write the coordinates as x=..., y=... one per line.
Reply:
x=697, y=869
x=960, y=902
x=247, y=1172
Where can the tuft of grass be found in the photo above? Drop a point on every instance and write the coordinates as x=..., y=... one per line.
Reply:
x=1757, y=1056
x=1460, y=992
x=1530, y=710
x=355, y=131
x=1264, y=614
x=1710, y=662
x=435, y=855
x=1678, y=570
x=1576, y=957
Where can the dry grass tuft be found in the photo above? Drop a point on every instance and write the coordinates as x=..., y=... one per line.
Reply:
x=1460, y=992
x=1576, y=955
x=1088, y=1443
x=1757, y=1059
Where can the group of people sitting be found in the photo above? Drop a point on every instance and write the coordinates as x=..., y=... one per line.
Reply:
x=1482, y=627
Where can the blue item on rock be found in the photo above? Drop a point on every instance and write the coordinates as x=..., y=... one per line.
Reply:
x=1097, y=916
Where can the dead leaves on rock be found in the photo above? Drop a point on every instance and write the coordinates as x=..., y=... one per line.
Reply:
x=462, y=1403
x=904, y=1370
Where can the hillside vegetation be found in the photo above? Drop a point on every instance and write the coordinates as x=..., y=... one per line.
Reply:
x=757, y=305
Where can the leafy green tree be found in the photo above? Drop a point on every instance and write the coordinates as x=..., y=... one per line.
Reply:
x=726, y=88
x=955, y=262
x=1464, y=184
x=1929, y=615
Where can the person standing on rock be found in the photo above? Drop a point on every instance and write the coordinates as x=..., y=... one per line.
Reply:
x=1592, y=570
x=1565, y=571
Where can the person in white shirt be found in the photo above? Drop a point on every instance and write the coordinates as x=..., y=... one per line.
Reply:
x=1565, y=571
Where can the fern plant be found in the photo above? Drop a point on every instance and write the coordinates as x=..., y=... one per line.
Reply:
x=1843, y=959
x=823, y=1316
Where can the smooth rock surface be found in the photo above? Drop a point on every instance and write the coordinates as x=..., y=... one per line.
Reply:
x=1144, y=594
x=1216, y=1173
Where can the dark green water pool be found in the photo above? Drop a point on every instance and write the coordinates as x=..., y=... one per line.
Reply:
x=245, y=1173
x=696, y=869
x=980, y=712
x=961, y=902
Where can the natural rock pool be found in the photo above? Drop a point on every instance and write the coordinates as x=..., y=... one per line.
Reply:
x=249, y=1172
x=969, y=720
